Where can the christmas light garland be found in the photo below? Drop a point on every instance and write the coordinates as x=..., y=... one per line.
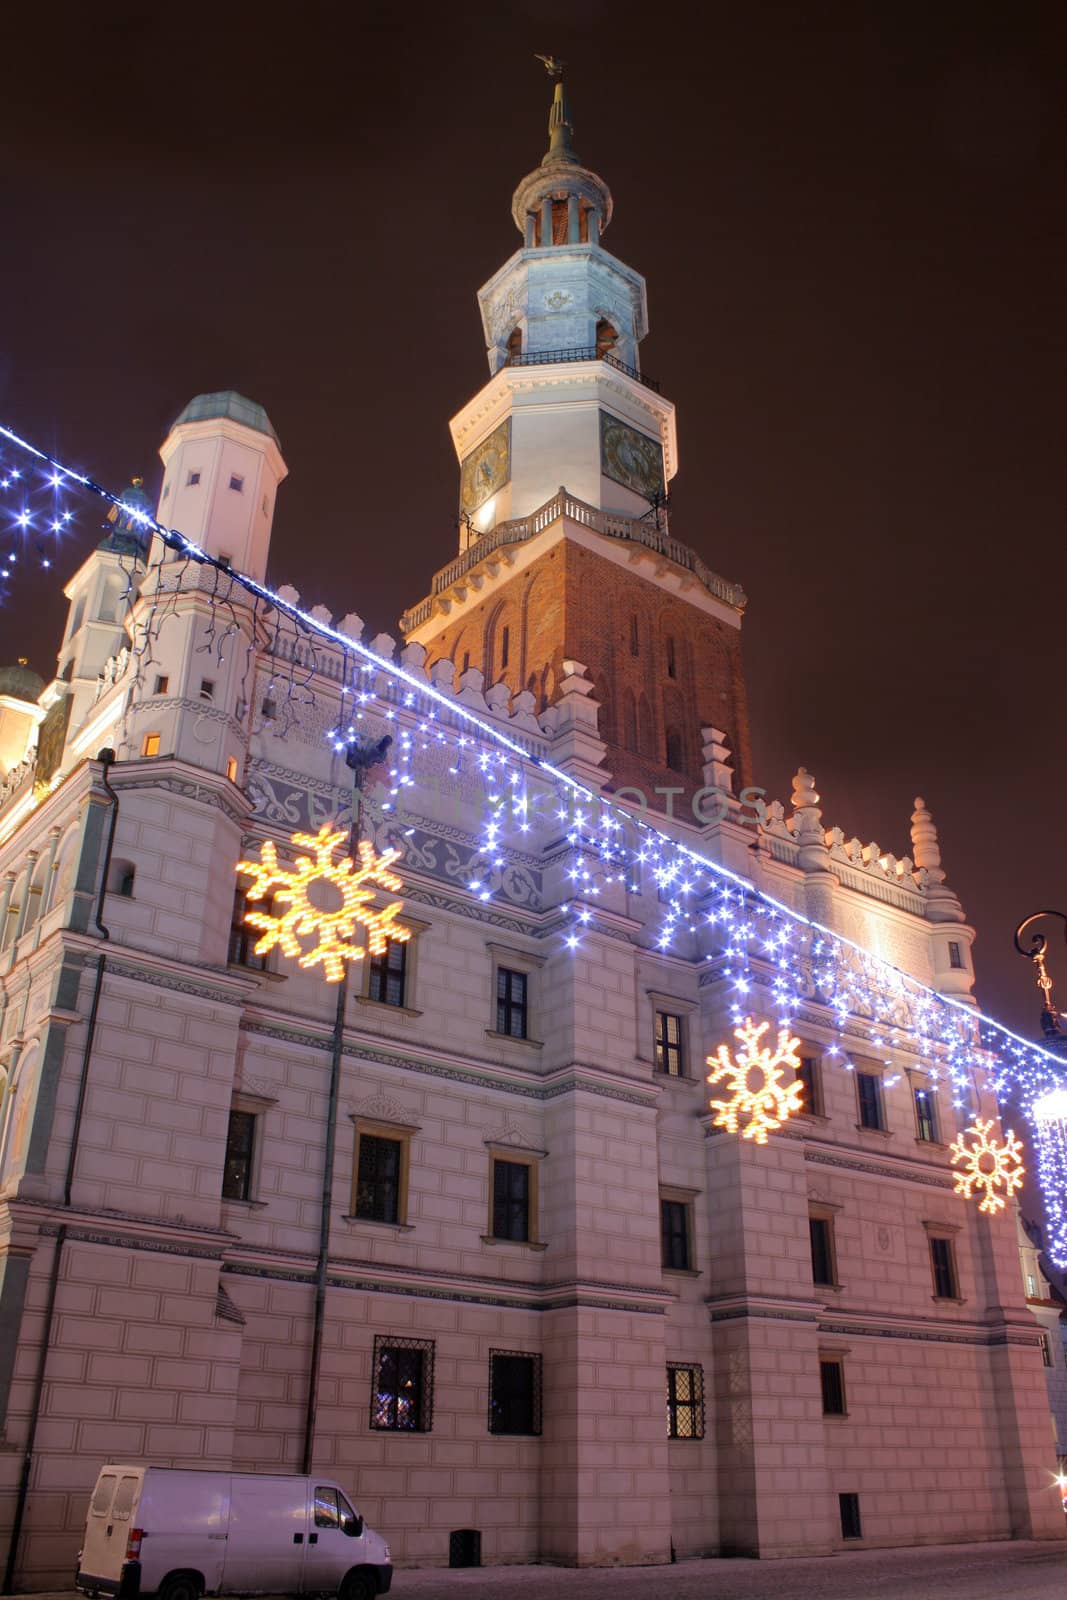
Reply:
x=771, y=957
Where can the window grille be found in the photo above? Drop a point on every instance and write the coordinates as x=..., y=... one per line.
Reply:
x=514, y=1392
x=402, y=1385
x=685, y=1402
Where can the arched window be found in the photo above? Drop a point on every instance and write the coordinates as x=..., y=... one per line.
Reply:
x=675, y=758
x=672, y=663
x=513, y=347
x=606, y=338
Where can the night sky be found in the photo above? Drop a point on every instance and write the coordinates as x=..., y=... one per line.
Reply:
x=851, y=219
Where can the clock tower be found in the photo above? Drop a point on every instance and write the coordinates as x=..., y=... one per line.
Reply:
x=565, y=458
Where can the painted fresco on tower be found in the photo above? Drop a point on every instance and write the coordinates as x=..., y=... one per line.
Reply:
x=631, y=458
x=486, y=469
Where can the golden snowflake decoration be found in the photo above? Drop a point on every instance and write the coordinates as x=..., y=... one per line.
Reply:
x=333, y=930
x=766, y=1103
x=989, y=1166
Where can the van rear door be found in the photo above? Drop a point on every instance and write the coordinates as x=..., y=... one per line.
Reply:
x=108, y=1523
x=266, y=1543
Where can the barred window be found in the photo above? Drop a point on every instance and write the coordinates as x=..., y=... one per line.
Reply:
x=378, y=1178
x=685, y=1402
x=402, y=1394
x=514, y=1392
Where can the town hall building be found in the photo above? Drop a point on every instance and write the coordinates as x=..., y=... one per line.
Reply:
x=546, y=1309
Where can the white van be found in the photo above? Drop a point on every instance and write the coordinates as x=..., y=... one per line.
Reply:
x=181, y=1534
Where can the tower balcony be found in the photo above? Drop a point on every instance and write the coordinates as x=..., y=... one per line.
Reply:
x=542, y=358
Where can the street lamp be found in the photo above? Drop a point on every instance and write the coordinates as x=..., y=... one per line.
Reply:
x=1055, y=1034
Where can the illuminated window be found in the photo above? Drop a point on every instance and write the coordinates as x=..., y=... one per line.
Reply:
x=150, y=744
x=832, y=1374
x=381, y=1164
x=243, y=939
x=670, y=1057
x=1031, y=1286
x=606, y=338
x=943, y=1267
x=231, y=768
x=402, y=1394
x=685, y=1402
x=387, y=974
x=162, y=683
x=514, y=1393
x=675, y=1234
x=869, y=1091
x=809, y=1075
x=513, y=346
x=925, y=1120
x=511, y=1002
x=823, y=1258
x=240, y=1152
x=850, y=1516
x=512, y=1195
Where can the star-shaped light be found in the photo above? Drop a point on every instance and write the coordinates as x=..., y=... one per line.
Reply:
x=333, y=929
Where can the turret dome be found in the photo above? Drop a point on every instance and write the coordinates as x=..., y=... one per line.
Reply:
x=20, y=682
x=228, y=403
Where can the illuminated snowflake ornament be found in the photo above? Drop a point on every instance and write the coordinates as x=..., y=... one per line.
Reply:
x=332, y=928
x=759, y=1098
x=988, y=1166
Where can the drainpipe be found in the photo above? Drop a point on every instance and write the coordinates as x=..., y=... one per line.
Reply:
x=360, y=756
x=106, y=758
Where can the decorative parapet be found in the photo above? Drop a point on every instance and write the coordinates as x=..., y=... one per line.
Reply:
x=634, y=530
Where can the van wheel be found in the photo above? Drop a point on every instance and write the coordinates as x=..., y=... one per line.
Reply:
x=181, y=1586
x=359, y=1586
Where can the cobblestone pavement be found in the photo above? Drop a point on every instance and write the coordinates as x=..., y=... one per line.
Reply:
x=1016, y=1571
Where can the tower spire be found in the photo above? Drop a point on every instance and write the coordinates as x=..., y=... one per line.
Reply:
x=560, y=127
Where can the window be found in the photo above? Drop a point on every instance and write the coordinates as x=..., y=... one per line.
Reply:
x=243, y=939
x=685, y=1402
x=511, y=1002
x=192, y=480
x=634, y=639
x=514, y=1392
x=513, y=346
x=332, y=1510
x=240, y=1151
x=231, y=768
x=126, y=879
x=606, y=338
x=850, y=1516
x=237, y=482
x=955, y=955
x=669, y=1051
x=1031, y=1286
x=823, y=1263
x=810, y=1078
x=869, y=1090
x=672, y=665
x=674, y=750
x=387, y=974
x=269, y=709
x=511, y=1200
x=162, y=683
x=466, y=661
x=505, y=644
x=380, y=1165
x=674, y=1234
x=1046, y=1350
x=943, y=1266
x=207, y=689
x=832, y=1373
x=402, y=1397
x=150, y=744
x=925, y=1122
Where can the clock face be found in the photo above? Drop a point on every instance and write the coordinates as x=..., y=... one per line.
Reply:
x=631, y=458
x=486, y=469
